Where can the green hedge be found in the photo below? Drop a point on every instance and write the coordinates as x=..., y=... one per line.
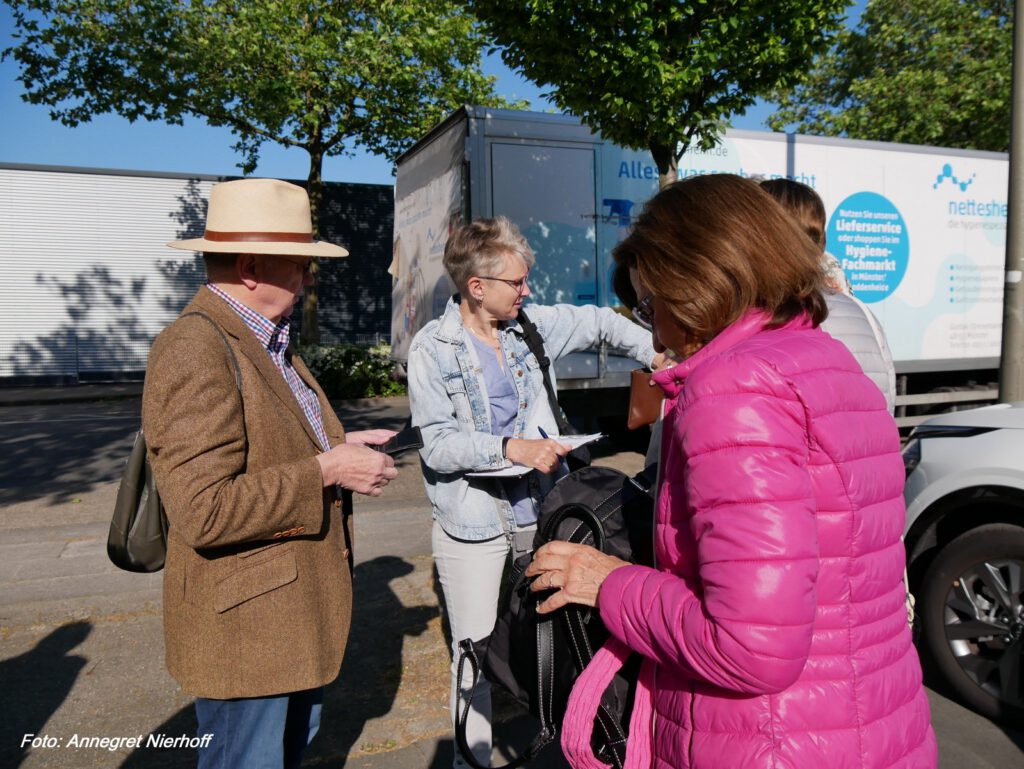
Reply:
x=353, y=371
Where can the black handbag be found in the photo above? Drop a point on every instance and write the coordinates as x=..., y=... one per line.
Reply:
x=137, y=540
x=537, y=658
x=579, y=457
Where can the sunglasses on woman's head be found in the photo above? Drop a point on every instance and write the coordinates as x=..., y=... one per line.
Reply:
x=643, y=313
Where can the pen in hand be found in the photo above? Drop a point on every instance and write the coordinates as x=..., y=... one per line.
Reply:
x=545, y=436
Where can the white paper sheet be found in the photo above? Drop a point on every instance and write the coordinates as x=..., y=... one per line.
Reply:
x=515, y=471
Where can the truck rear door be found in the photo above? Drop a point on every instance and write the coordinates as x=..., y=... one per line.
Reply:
x=549, y=192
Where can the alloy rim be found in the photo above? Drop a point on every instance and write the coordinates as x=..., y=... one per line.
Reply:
x=984, y=623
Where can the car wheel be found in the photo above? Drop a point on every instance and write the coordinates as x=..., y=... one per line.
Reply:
x=972, y=618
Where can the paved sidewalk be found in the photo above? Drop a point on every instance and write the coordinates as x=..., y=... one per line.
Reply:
x=81, y=645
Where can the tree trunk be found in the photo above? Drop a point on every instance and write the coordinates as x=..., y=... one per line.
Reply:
x=665, y=160
x=315, y=186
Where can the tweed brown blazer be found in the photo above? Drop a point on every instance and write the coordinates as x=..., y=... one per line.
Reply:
x=257, y=592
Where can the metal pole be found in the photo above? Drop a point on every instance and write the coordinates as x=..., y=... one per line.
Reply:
x=1011, y=369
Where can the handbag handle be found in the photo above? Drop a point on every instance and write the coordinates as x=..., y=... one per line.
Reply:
x=587, y=516
x=547, y=733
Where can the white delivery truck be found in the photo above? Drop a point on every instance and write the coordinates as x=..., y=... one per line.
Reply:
x=920, y=232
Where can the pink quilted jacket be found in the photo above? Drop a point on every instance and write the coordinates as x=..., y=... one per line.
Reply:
x=775, y=627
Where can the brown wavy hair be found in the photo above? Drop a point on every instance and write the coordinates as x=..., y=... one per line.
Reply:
x=713, y=247
x=803, y=204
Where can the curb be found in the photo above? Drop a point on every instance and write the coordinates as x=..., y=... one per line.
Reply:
x=29, y=398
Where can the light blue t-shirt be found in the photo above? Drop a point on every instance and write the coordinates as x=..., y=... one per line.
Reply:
x=504, y=400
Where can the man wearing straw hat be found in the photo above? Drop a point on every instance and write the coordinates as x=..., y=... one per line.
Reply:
x=250, y=458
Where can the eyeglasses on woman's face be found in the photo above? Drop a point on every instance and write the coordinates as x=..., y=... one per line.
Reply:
x=643, y=313
x=519, y=284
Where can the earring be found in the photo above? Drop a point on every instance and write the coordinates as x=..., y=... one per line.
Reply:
x=479, y=298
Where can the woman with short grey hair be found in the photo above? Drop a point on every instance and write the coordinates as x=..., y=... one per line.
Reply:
x=477, y=393
x=480, y=248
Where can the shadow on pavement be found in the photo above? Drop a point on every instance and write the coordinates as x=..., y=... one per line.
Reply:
x=509, y=740
x=34, y=686
x=181, y=723
x=373, y=667
x=366, y=687
x=933, y=680
x=43, y=458
x=62, y=452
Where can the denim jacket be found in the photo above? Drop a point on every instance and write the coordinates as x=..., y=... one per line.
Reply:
x=449, y=404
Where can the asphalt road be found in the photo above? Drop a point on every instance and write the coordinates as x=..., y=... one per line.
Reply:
x=81, y=644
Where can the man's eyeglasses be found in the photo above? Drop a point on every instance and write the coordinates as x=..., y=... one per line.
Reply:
x=643, y=313
x=519, y=285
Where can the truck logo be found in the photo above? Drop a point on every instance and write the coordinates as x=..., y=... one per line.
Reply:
x=947, y=173
x=619, y=209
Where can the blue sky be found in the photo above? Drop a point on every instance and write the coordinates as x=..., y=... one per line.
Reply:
x=28, y=135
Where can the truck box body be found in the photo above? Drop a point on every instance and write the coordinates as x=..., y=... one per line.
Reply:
x=920, y=231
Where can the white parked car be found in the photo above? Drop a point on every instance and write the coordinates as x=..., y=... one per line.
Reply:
x=965, y=553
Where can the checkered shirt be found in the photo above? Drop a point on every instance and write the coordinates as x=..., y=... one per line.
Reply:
x=275, y=339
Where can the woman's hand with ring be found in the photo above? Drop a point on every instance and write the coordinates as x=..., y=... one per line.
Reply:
x=576, y=572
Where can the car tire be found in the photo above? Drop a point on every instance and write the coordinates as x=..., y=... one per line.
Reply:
x=976, y=579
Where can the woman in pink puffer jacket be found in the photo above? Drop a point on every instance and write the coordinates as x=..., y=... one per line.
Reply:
x=774, y=629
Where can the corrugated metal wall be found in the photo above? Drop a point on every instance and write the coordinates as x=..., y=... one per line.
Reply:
x=355, y=292
x=88, y=281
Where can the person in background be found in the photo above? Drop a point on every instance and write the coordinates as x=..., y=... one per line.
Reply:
x=849, y=320
x=250, y=460
x=774, y=630
x=477, y=393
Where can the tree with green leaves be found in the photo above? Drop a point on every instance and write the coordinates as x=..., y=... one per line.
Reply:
x=659, y=74
x=316, y=75
x=918, y=71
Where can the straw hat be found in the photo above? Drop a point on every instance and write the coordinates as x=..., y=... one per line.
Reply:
x=259, y=216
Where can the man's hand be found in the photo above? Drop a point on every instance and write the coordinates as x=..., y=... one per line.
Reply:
x=543, y=454
x=370, y=437
x=358, y=468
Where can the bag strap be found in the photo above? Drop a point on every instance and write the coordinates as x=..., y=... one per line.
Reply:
x=139, y=445
x=231, y=352
x=576, y=618
x=536, y=345
x=646, y=480
x=547, y=733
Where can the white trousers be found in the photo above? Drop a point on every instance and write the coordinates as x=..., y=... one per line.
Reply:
x=470, y=576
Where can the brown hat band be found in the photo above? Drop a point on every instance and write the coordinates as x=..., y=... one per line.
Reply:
x=259, y=237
